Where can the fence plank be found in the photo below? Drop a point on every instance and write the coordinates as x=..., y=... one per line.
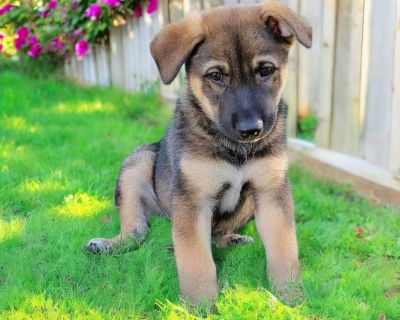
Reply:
x=230, y=2
x=149, y=72
x=175, y=10
x=117, y=58
x=67, y=68
x=324, y=75
x=291, y=90
x=176, y=13
x=309, y=73
x=191, y=5
x=130, y=31
x=157, y=21
x=74, y=70
x=208, y=4
x=80, y=70
x=103, y=65
x=347, y=75
x=376, y=128
x=394, y=161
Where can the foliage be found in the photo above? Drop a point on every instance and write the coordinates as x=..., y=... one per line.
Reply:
x=60, y=151
x=42, y=67
x=307, y=127
x=61, y=27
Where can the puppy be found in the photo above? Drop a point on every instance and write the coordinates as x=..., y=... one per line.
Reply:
x=223, y=160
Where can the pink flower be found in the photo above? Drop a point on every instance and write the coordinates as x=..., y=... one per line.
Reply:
x=4, y=9
x=52, y=4
x=1, y=36
x=35, y=50
x=152, y=6
x=74, y=5
x=137, y=11
x=22, y=33
x=81, y=48
x=1, y=47
x=56, y=45
x=44, y=13
x=19, y=43
x=94, y=11
x=78, y=33
x=32, y=41
x=112, y=3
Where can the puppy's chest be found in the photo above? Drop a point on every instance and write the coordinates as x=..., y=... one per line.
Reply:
x=224, y=182
x=231, y=192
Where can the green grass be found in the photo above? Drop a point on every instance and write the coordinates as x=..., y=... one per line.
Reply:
x=60, y=151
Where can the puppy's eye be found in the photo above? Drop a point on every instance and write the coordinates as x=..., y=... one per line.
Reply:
x=266, y=72
x=216, y=76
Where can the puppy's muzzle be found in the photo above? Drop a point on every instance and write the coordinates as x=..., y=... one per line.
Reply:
x=250, y=129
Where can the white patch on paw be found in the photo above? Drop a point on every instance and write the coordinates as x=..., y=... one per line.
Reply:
x=98, y=245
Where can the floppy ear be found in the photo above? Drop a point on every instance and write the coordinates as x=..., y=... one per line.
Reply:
x=285, y=23
x=173, y=45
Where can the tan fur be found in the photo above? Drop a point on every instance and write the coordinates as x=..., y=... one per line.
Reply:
x=277, y=231
x=134, y=181
x=196, y=85
x=207, y=175
x=192, y=245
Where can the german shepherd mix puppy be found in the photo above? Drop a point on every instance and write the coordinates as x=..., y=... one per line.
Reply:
x=223, y=160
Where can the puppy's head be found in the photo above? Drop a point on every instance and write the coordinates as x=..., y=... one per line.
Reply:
x=236, y=63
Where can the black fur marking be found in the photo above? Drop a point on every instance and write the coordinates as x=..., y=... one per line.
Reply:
x=226, y=215
x=153, y=175
x=117, y=194
x=222, y=191
x=239, y=53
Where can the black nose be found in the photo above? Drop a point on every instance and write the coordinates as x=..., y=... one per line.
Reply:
x=250, y=128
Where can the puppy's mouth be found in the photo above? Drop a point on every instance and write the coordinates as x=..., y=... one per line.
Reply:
x=247, y=141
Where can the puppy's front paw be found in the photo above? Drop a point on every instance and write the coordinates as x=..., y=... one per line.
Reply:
x=292, y=295
x=200, y=286
x=200, y=296
x=99, y=245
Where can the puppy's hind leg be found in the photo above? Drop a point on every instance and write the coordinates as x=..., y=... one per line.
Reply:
x=134, y=199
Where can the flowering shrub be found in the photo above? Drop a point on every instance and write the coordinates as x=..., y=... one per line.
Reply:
x=61, y=27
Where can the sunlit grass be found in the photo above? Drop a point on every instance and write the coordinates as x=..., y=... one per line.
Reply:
x=18, y=123
x=8, y=148
x=237, y=303
x=81, y=205
x=40, y=307
x=56, y=193
x=35, y=186
x=85, y=107
x=10, y=229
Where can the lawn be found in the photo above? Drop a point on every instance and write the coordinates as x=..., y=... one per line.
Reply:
x=60, y=150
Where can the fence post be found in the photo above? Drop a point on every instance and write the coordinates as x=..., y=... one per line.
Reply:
x=394, y=162
x=291, y=92
x=347, y=77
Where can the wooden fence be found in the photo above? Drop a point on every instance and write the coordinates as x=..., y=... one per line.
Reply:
x=350, y=79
